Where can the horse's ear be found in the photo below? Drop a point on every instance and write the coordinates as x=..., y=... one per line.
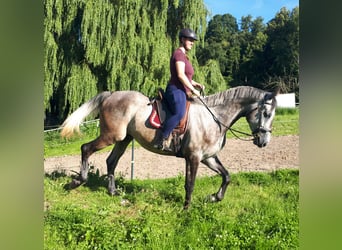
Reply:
x=276, y=91
x=271, y=95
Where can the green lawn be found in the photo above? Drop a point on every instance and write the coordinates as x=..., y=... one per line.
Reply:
x=260, y=211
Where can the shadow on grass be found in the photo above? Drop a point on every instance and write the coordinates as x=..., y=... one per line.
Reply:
x=171, y=196
x=165, y=190
x=56, y=175
x=94, y=182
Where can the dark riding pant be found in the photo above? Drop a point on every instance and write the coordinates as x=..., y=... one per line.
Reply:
x=176, y=100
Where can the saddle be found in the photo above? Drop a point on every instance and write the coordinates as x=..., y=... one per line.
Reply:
x=158, y=116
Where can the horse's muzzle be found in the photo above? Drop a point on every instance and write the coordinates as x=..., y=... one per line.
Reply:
x=261, y=139
x=262, y=136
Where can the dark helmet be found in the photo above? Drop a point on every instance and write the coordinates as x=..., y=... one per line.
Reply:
x=188, y=33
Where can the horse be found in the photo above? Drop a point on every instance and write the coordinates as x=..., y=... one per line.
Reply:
x=124, y=116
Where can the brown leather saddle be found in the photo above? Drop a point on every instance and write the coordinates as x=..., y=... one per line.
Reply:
x=158, y=116
x=159, y=113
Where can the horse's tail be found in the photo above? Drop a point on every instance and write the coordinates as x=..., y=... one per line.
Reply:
x=72, y=123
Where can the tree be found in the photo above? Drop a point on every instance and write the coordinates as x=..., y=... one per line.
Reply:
x=97, y=45
x=269, y=55
x=252, y=39
x=281, y=54
x=221, y=44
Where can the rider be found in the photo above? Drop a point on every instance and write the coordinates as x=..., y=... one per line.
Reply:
x=179, y=87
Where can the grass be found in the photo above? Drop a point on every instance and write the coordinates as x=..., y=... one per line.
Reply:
x=286, y=122
x=260, y=211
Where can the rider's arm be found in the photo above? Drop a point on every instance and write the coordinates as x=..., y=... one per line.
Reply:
x=180, y=68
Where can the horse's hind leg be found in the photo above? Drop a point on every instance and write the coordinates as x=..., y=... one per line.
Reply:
x=87, y=150
x=215, y=164
x=112, y=162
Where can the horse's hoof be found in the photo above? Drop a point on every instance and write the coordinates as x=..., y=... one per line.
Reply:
x=211, y=198
x=113, y=192
x=84, y=179
x=73, y=184
x=186, y=206
x=125, y=203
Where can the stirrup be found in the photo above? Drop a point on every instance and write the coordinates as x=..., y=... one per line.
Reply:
x=166, y=149
x=162, y=146
x=158, y=146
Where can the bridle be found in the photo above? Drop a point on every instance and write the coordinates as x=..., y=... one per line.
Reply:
x=259, y=129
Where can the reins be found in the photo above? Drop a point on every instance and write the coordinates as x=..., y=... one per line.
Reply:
x=237, y=131
x=221, y=123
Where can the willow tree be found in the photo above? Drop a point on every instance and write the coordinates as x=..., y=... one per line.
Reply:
x=97, y=45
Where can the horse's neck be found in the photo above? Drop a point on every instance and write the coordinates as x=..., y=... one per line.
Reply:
x=228, y=115
x=232, y=110
x=232, y=104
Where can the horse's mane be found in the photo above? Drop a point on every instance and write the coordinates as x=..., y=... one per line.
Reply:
x=234, y=93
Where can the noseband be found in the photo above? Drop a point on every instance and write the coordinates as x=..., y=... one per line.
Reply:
x=261, y=129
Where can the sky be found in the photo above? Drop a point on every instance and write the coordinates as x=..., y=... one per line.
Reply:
x=238, y=8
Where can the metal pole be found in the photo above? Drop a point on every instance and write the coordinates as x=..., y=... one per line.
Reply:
x=132, y=161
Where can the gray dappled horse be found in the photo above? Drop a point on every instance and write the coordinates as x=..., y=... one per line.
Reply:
x=124, y=115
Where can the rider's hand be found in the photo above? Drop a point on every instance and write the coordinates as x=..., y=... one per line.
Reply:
x=196, y=93
x=199, y=86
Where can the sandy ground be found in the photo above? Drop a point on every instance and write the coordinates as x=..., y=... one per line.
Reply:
x=236, y=156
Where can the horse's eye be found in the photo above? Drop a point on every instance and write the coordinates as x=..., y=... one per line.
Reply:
x=266, y=115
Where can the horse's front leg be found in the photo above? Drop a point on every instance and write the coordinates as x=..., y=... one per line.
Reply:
x=190, y=177
x=215, y=164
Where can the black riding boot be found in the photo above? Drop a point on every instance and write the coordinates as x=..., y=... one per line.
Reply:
x=163, y=144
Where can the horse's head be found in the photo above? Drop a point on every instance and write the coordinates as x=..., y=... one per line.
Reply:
x=260, y=119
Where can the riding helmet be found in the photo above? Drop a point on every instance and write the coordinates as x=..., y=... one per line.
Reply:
x=188, y=33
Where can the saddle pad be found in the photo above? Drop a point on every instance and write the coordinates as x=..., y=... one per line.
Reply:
x=154, y=117
x=158, y=116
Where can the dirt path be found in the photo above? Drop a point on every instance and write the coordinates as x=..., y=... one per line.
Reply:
x=236, y=156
